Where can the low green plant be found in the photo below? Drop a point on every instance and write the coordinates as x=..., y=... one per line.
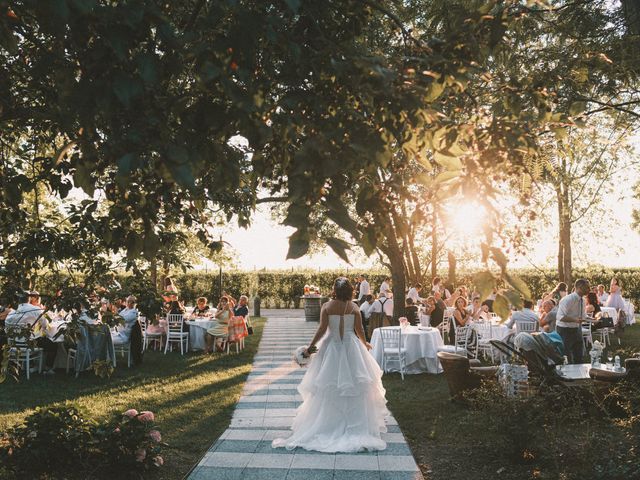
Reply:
x=59, y=442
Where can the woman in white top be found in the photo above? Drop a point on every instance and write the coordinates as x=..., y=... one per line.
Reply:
x=615, y=299
x=344, y=403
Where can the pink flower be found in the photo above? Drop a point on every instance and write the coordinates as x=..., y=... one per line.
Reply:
x=117, y=430
x=146, y=416
x=141, y=454
x=158, y=461
x=155, y=435
x=132, y=412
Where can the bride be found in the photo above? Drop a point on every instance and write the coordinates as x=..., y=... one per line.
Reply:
x=343, y=407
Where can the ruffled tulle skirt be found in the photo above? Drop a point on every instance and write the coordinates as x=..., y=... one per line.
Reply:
x=344, y=405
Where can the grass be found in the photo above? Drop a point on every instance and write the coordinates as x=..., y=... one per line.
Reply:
x=450, y=440
x=193, y=397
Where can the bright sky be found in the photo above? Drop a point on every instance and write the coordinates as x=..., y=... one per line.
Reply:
x=607, y=241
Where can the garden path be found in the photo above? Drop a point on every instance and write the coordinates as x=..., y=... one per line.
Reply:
x=265, y=411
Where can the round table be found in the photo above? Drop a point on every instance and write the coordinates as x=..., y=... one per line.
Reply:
x=197, y=331
x=421, y=349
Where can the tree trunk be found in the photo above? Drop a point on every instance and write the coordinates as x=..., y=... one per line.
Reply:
x=564, y=237
x=392, y=250
x=434, y=247
x=153, y=271
x=452, y=269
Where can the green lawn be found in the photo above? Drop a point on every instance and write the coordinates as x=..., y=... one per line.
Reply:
x=193, y=397
x=451, y=441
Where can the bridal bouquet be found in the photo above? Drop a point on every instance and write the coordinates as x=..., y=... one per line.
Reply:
x=299, y=355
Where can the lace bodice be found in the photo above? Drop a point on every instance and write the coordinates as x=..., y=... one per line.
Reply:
x=334, y=326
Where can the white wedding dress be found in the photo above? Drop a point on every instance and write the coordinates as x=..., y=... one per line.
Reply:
x=344, y=406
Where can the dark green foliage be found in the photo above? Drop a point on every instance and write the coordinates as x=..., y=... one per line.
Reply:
x=59, y=442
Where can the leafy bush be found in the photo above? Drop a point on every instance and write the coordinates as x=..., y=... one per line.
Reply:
x=58, y=442
x=570, y=433
x=284, y=288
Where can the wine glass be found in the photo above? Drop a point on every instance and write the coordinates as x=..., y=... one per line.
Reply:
x=610, y=358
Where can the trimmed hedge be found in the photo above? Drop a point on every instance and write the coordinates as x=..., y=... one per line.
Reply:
x=282, y=289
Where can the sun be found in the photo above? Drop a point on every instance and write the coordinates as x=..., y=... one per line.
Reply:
x=466, y=219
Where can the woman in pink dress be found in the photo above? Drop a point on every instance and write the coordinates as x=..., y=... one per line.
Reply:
x=615, y=299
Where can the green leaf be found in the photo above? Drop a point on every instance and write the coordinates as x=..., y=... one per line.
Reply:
x=501, y=307
x=577, y=108
x=448, y=162
x=298, y=244
x=518, y=284
x=151, y=245
x=125, y=164
x=514, y=298
x=485, y=282
x=340, y=247
x=435, y=89
x=499, y=258
x=294, y=5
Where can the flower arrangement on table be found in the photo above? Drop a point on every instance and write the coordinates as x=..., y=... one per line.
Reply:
x=311, y=290
x=404, y=322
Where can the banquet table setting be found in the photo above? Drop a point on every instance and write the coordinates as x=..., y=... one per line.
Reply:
x=421, y=344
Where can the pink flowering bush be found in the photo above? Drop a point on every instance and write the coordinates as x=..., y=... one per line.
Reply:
x=52, y=442
x=132, y=442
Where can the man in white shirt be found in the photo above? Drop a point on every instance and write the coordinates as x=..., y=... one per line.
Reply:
x=524, y=315
x=385, y=288
x=414, y=294
x=382, y=305
x=366, y=307
x=364, y=289
x=32, y=315
x=569, y=319
x=602, y=295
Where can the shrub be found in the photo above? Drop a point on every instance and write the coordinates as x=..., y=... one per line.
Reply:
x=58, y=442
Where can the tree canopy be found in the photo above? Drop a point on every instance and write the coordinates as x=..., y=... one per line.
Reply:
x=165, y=113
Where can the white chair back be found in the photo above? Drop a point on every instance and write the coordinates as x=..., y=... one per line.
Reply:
x=484, y=330
x=174, y=322
x=526, y=326
x=391, y=339
x=466, y=341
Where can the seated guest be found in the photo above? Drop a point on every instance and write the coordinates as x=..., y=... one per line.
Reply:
x=439, y=307
x=524, y=315
x=411, y=311
x=232, y=301
x=130, y=314
x=477, y=310
x=202, y=308
x=220, y=329
x=592, y=306
x=382, y=304
x=242, y=309
x=461, y=317
x=548, y=316
x=559, y=292
x=31, y=315
x=414, y=294
x=5, y=310
x=602, y=295
x=175, y=307
x=85, y=316
x=365, y=310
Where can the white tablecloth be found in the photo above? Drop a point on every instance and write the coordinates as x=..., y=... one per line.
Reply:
x=421, y=346
x=197, y=331
x=631, y=314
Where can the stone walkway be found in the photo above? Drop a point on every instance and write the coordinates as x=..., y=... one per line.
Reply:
x=265, y=411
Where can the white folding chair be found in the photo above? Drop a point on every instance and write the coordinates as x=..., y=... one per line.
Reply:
x=392, y=348
x=485, y=334
x=123, y=349
x=20, y=353
x=148, y=337
x=466, y=343
x=175, y=333
x=587, y=336
x=526, y=326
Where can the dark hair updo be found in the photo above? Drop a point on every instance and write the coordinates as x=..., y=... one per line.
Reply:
x=342, y=289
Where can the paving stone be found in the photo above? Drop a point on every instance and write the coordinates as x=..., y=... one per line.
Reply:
x=266, y=410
